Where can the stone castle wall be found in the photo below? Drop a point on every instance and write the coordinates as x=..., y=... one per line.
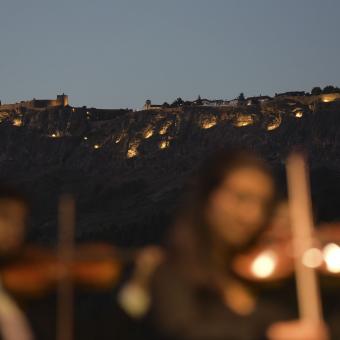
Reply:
x=62, y=100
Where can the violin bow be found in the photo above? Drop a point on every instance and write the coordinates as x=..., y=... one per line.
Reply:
x=65, y=253
x=302, y=229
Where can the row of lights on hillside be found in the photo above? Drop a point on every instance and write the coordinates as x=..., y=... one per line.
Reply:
x=149, y=131
x=207, y=123
x=246, y=120
x=242, y=120
x=133, y=149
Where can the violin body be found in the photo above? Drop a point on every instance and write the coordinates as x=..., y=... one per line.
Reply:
x=32, y=273
x=265, y=263
x=37, y=270
x=273, y=261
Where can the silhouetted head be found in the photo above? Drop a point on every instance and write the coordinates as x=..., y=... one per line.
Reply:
x=228, y=207
x=13, y=218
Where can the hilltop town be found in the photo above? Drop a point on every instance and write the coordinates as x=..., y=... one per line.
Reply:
x=328, y=94
x=127, y=168
x=67, y=121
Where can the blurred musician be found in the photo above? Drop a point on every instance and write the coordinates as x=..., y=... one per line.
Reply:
x=279, y=229
x=195, y=294
x=13, y=217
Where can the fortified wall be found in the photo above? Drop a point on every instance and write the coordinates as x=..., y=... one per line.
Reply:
x=61, y=100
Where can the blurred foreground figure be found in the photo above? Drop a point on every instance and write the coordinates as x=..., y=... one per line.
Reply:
x=195, y=293
x=13, y=218
x=279, y=229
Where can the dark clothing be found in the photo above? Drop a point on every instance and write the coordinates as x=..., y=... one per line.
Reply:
x=183, y=311
x=331, y=305
x=193, y=313
x=41, y=314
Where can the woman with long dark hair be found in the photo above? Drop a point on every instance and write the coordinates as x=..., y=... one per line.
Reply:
x=195, y=293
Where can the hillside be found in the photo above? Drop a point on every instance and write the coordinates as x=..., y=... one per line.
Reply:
x=127, y=169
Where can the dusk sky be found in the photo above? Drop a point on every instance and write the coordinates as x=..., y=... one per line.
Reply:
x=112, y=54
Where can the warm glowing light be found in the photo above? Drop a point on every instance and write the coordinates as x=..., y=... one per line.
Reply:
x=298, y=114
x=209, y=122
x=119, y=138
x=134, y=300
x=164, y=144
x=312, y=258
x=55, y=135
x=274, y=124
x=331, y=254
x=96, y=146
x=164, y=128
x=17, y=122
x=132, y=151
x=243, y=120
x=264, y=264
x=148, y=133
x=327, y=98
x=73, y=110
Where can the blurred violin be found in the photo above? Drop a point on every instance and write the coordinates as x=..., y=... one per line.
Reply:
x=37, y=270
x=265, y=264
x=30, y=273
x=271, y=260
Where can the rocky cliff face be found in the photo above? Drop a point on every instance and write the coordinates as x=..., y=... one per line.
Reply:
x=127, y=169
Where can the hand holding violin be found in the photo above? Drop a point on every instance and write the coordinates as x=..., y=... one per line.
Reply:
x=298, y=330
